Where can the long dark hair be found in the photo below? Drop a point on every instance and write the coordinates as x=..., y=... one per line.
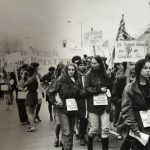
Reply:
x=101, y=69
x=65, y=73
x=59, y=70
x=138, y=67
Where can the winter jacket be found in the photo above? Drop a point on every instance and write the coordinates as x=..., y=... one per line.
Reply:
x=32, y=95
x=66, y=88
x=132, y=102
x=81, y=99
x=94, y=81
x=118, y=87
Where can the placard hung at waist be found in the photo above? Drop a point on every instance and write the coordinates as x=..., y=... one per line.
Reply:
x=71, y=105
x=100, y=99
x=4, y=87
x=22, y=94
x=145, y=116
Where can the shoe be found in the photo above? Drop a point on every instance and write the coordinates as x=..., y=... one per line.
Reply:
x=82, y=142
x=31, y=129
x=38, y=118
x=51, y=118
x=99, y=139
x=119, y=137
x=77, y=137
x=7, y=109
x=24, y=123
x=56, y=143
x=60, y=144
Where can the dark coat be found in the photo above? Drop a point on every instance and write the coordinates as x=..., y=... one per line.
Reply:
x=81, y=99
x=66, y=89
x=32, y=95
x=94, y=81
x=118, y=87
x=132, y=102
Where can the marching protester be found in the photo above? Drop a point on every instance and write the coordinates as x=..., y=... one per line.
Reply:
x=32, y=96
x=117, y=90
x=46, y=79
x=38, y=76
x=88, y=63
x=7, y=90
x=58, y=74
x=65, y=93
x=135, y=105
x=20, y=100
x=82, y=103
x=3, y=76
x=96, y=85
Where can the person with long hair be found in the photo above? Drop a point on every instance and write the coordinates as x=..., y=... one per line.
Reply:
x=38, y=76
x=117, y=90
x=58, y=74
x=82, y=103
x=65, y=93
x=23, y=77
x=135, y=100
x=32, y=96
x=97, y=84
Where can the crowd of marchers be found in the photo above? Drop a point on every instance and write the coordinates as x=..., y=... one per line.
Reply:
x=84, y=96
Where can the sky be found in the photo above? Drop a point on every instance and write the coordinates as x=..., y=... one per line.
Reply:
x=44, y=23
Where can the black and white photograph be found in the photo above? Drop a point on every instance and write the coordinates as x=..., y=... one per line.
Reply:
x=74, y=74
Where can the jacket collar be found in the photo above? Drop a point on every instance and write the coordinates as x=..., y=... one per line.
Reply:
x=135, y=86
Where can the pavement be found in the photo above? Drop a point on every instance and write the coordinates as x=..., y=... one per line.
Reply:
x=13, y=136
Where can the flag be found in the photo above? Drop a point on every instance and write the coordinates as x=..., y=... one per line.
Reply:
x=122, y=35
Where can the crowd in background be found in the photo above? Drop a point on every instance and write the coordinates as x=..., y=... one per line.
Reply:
x=83, y=97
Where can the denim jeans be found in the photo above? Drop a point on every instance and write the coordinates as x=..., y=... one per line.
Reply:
x=97, y=121
x=67, y=126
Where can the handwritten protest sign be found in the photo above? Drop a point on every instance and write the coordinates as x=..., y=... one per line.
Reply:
x=129, y=51
x=100, y=99
x=71, y=104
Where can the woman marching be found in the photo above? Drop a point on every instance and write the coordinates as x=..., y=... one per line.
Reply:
x=65, y=92
x=32, y=96
x=96, y=85
x=135, y=100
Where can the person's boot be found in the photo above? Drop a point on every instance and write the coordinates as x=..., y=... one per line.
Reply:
x=105, y=142
x=90, y=143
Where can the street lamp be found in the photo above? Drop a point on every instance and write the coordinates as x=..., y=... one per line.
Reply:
x=80, y=31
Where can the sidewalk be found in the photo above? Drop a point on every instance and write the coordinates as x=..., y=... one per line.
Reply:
x=13, y=136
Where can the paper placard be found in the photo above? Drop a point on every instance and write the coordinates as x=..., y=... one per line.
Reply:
x=22, y=94
x=100, y=99
x=2, y=81
x=108, y=93
x=4, y=87
x=144, y=138
x=145, y=116
x=71, y=105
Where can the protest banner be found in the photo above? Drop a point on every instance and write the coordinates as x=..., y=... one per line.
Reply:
x=44, y=58
x=129, y=51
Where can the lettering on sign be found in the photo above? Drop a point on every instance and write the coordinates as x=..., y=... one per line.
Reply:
x=100, y=99
x=129, y=51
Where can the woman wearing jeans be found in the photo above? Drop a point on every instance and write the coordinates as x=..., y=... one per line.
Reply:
x=65, y=88
x=96, y=85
